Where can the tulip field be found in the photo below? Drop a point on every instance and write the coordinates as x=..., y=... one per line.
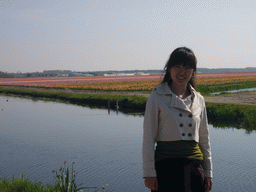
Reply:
x=129, y=83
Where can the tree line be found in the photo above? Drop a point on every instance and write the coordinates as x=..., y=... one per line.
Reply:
x=5, y=75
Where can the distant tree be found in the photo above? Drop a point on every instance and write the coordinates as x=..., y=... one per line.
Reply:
x=5, y=75
x=38, y=74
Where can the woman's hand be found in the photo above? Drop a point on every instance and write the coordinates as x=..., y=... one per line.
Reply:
x=208, y=184
x=151, y=183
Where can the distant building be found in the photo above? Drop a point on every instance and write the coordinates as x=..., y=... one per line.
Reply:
x=88, y=75
x=120, y=74
x=109, y=74
x=142, y=73
x=129, y=74
x=64, y=75
x=75, y=74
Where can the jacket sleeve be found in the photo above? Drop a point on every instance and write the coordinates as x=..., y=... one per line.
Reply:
x=204, y=143
x=150, y=130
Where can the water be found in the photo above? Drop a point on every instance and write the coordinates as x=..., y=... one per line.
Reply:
x=37, y=137
x=234, y=91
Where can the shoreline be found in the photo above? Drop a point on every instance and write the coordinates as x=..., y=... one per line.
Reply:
x=237, y=110
x=241, y=98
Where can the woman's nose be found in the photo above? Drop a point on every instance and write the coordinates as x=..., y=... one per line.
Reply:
x=182, y=69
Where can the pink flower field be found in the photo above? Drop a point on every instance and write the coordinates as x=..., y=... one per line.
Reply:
x=74, y=80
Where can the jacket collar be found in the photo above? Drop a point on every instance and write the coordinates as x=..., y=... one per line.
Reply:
x=164, y=89
x=176, y=102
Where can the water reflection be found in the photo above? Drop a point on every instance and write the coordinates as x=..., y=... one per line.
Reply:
x=234, y=91
x=120, y=106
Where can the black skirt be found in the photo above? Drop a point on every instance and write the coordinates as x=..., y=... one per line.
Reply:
x=180, y=175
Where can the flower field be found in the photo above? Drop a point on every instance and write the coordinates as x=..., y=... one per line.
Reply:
x=223, y=78
x=126, y=83
x=62, y=82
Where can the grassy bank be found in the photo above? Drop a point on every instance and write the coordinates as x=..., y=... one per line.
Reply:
x=232, y=115
x=129, y=102
x=220, y=115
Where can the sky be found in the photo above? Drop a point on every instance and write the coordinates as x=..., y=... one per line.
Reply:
x=103, y=35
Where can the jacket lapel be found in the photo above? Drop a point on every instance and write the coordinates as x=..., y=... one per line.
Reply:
x=175, y=101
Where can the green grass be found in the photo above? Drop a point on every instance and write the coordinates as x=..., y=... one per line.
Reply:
x=206, y=89
x=23, y=185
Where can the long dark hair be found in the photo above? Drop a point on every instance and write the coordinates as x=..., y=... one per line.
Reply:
x=181, y=55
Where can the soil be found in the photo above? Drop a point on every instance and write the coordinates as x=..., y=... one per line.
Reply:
x=244, y=98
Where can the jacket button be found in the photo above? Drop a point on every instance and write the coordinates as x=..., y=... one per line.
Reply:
x=181, y=125
x=190, y=134
x=190, y=124
x=190, y=115
x=180, y=114
x=183, y=134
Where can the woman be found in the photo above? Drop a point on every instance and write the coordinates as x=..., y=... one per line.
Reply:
x=176, y=145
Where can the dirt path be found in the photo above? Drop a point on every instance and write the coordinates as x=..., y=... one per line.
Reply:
x=245, y=98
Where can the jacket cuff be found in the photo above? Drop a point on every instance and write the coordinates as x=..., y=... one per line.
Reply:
x=149, y=173
x=208, y=173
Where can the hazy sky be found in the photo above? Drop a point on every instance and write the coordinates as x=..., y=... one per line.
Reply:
x=97, y=35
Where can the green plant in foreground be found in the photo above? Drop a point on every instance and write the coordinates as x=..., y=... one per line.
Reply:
x=65, y=180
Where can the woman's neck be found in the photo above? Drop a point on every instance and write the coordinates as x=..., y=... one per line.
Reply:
x=180, y=91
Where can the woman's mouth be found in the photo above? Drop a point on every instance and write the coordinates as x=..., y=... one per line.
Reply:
x=181, y=78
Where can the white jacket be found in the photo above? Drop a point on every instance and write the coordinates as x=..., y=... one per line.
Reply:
x=167, y=118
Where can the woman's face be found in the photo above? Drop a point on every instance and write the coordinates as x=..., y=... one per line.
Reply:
x=181, y=75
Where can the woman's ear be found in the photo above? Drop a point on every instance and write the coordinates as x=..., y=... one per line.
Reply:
x=193, y=74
